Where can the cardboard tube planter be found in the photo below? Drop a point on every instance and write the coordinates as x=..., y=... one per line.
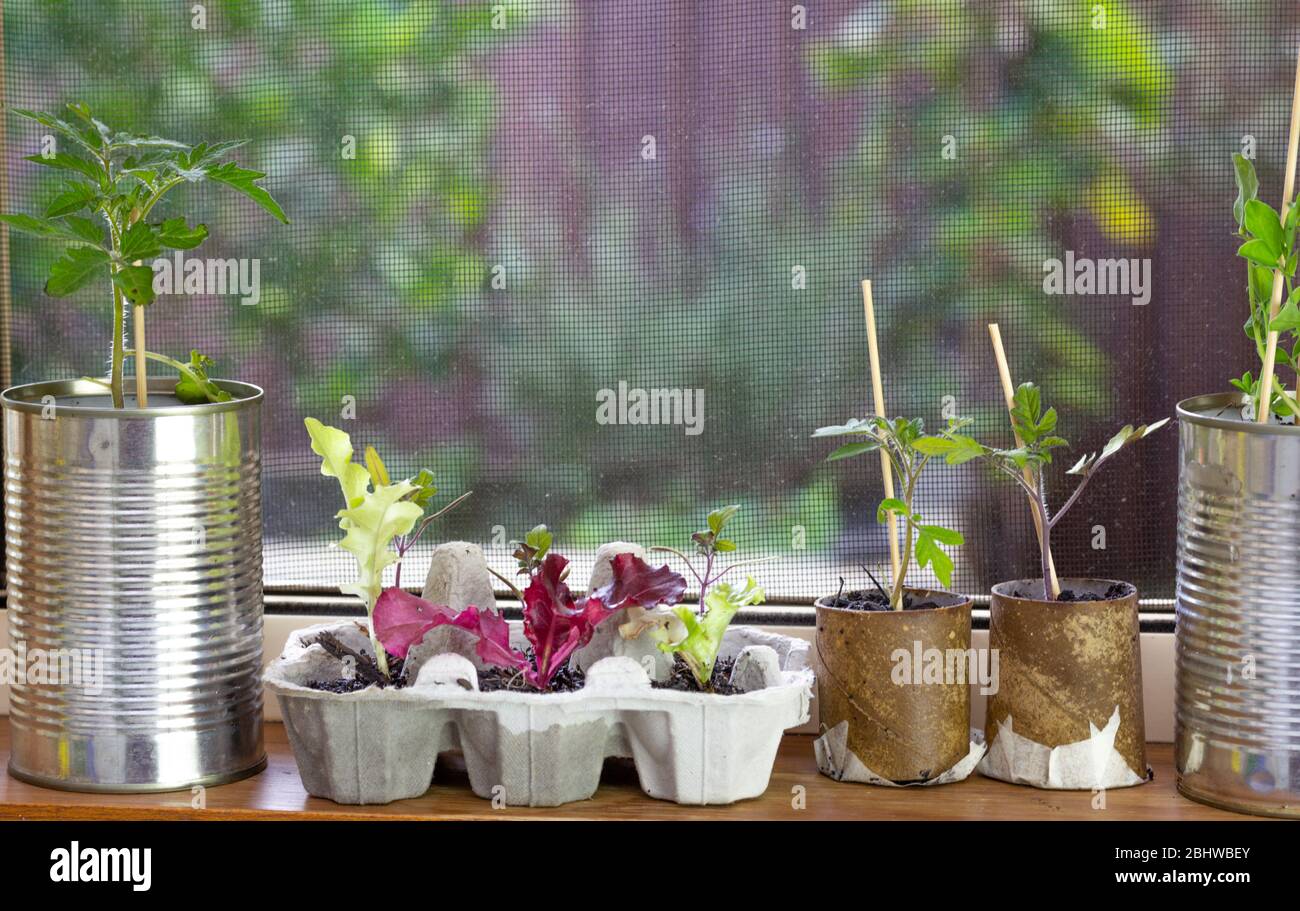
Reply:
x=1068, y=708
x=901, y=725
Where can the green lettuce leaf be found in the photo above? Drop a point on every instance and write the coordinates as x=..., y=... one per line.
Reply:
x=375, y=513
x=703, y=636
x=335, y=449
x=370, y=526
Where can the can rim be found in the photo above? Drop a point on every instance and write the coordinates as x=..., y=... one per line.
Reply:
x=962, y=601
x=1005, y=589
x=28, y=398
x=1190, y=410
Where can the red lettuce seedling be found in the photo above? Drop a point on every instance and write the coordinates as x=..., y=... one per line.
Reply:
x=555, y=622
x=402, y=620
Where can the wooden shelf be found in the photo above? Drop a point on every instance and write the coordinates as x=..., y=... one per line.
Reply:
x=277, y=794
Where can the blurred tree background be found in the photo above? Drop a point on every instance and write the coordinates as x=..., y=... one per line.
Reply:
x=548, y=198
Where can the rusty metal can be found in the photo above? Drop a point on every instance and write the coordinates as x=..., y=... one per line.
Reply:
x=1068, y=668
x=904, y=730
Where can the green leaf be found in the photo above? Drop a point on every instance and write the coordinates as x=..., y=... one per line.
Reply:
x=718, y=518
x=1288, y=318
x=369, y=528
x=891, y=504
x=244, y=180
x=194, y=164
x=907, y=430
x=74, y=229
x=375, y=466
x=849, y=450
x=1030, y=399
x=540, y=540
x=1247, y=186
x=193, y=386
x=1122, y=437
x=1023, y=458
x=1083, y=466
x=1264, y=224
x=928, y=553
x=100, y=131
x=334, y=447
x=1026, y=411
x=425, y=489
x=1118, y=441
x=956, y=448
x=854, y=426
x=30, y=224
x=1147, y=429
x=67, y=162
x=944, y=535
x=73, y=198
x=175, y=234
x=89, y=139
x=1261, y=282
x=1048, y=422
x=77, y=267
x=84, y=231
x=136, y=282
x=122, y=141
x=203, y=155
x=942, y=565
x=702, y=638
x=1257, y=251
x=140, y=241
x=935, y=446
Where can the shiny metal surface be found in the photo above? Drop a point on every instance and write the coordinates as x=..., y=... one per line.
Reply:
x=1237, y=712
x=134, y=545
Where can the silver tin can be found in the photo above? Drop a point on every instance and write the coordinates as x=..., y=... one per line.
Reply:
x=1237, y=710
x=133, y=543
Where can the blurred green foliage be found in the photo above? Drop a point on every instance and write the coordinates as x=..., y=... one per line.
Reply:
x=382, y=287
x=1047, y=113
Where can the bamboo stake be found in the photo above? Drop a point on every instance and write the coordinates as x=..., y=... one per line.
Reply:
x=141, y=362
x=1275, y=303
x=878, y=397
x=1009, y=394
x=6, y=300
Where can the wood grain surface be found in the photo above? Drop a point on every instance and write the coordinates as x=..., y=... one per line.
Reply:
x=277, y=794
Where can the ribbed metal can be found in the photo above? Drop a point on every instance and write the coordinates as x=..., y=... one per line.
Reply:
x=133, y=544
x=1237, y=711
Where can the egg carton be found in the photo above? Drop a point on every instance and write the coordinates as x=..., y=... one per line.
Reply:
x=377, y=745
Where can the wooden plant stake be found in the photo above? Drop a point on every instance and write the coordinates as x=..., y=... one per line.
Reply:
x=1275, y=303
x=141, y=362
x=878, y=396
x=1009, y=393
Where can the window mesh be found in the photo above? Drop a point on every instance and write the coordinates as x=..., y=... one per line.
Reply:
x=502, y=214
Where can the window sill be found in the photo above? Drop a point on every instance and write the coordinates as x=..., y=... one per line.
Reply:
x=277, y=794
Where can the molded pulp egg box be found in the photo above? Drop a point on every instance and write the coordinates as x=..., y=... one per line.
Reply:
x=540, y=749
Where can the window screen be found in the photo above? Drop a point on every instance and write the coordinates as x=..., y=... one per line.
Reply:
x=511, y=222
